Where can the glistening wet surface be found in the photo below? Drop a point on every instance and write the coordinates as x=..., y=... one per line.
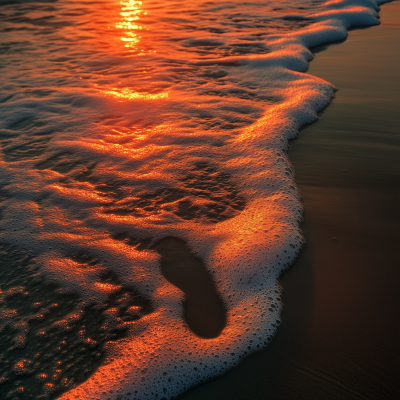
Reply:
x=202, y=309
x=129, y=121
x=52, y=340
x=203, y=194
x=339, y=337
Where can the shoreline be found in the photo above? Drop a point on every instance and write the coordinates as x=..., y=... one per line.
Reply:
x=340, y=295
x=338, y=338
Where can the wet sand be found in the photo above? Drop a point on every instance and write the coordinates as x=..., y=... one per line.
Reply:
x=203, y=308
x=340, y=333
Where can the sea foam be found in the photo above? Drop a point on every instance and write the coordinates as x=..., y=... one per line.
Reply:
x=93, y=131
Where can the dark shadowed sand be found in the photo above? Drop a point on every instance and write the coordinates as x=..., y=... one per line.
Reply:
x=340, y=333
x=203, y=309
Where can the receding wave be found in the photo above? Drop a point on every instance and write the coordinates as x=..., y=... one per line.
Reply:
x=147, y=204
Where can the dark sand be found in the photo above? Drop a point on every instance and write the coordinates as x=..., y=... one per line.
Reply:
x=340, y=333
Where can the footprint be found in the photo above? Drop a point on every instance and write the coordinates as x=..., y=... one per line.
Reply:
x=204, y=311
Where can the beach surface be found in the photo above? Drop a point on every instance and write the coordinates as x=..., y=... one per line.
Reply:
x=340, y=329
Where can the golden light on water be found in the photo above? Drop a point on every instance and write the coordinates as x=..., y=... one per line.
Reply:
x=126, y=20
x=128, y=94
x=106, y=286
x=131, y=12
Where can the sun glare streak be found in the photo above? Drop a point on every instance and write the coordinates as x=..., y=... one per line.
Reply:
x=131, y=12
x=129, y=94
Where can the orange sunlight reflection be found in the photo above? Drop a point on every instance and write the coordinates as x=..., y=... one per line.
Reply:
x=131, y=11
x=108, y=287
x=129, y=94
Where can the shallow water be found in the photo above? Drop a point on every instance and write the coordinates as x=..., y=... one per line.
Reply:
x=131, y=130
